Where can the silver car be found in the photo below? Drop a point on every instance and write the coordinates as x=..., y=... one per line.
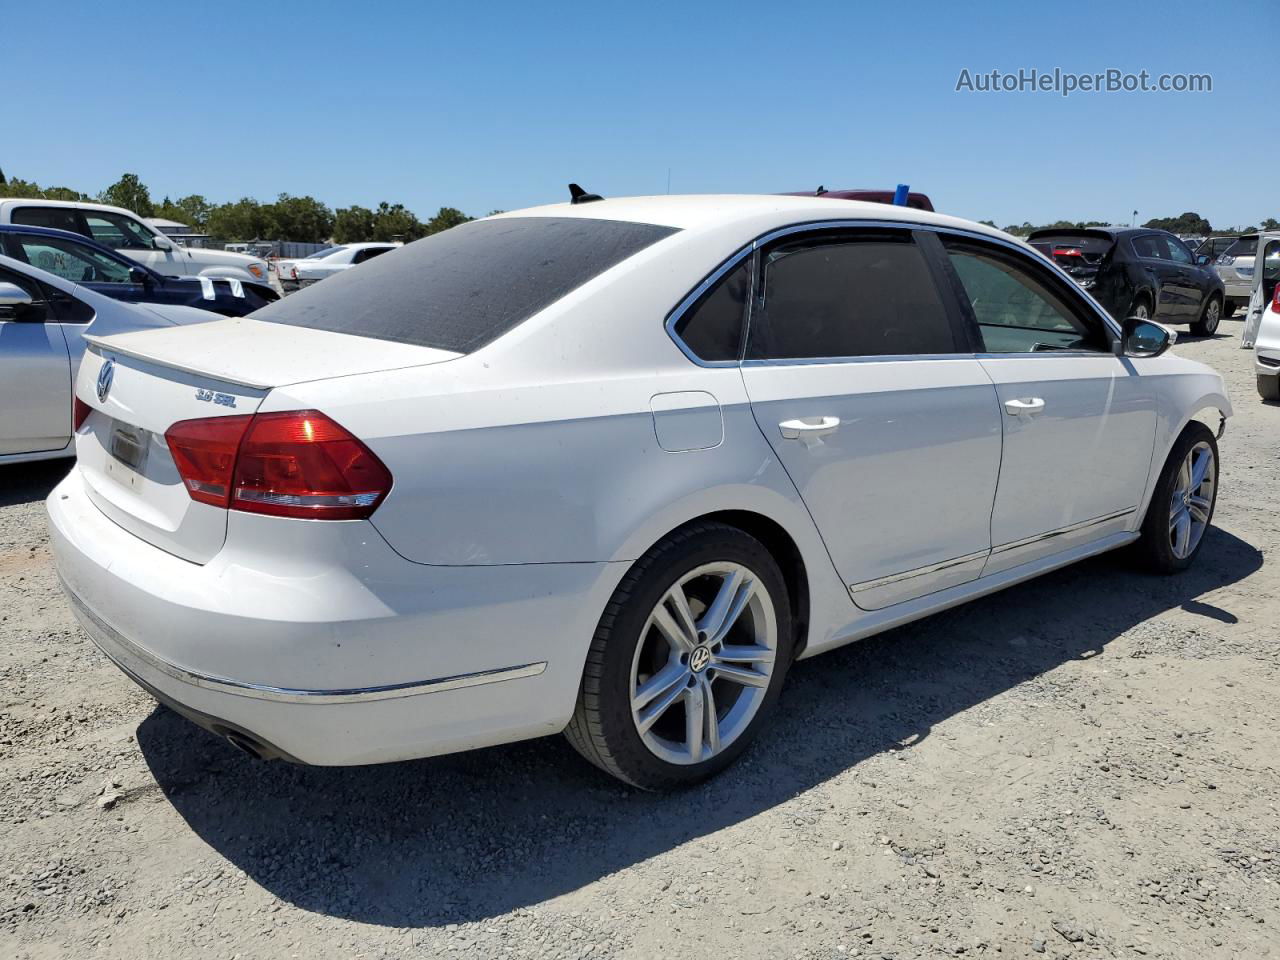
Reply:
x=43, y=319
x=1235, y=268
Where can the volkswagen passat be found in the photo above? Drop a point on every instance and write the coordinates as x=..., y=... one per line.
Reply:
x=609, y=468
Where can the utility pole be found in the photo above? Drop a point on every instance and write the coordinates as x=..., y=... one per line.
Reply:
x=1134, y=221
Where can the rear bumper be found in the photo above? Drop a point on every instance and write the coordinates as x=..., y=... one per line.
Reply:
x=361, y=658
x=1237, y=289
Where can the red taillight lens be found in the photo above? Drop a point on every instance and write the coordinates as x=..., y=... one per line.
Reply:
x=205, y=454
x=297, y=463
x=1275, y=300
x=302, y=464
x=79, y=413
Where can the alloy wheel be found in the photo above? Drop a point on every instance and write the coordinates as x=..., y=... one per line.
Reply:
x=702, y=667
x=1212, y=314
x=1192, y=500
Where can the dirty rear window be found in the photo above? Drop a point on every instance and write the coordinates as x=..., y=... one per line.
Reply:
x=465, y=287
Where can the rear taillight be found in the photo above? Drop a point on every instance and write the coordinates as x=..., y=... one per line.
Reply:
x=1068, y=252
x=204, y=452
x=1275, y=300
x=79, y=413
x=298, y=463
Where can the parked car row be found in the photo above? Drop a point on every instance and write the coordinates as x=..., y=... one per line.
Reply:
x=127, y=233
x=610, y=467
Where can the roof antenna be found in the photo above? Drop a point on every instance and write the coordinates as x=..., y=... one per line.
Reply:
x=820, y=191
x=578, y=195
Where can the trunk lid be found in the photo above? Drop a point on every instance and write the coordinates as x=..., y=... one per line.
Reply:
x=221, y=368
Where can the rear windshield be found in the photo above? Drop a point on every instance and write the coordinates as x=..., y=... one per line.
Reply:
x=464, y=287
x=1085, y=244
x=1244, y=247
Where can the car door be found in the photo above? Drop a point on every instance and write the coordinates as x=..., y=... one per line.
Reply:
x=35, y=373
x=863, y=381
x=1079, y=422
x=1153, y=254
x=1191, y=284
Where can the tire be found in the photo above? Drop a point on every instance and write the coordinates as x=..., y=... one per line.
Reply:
x=1141, y=307
x=1210, y=317
x=1269, y=387
x=632, y=656
x=1230, y=307
x=1160, y=546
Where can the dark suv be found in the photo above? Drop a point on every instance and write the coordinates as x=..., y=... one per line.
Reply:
x=1135, y=272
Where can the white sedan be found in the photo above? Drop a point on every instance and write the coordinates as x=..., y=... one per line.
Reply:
x=325, y=263
x=609, y=468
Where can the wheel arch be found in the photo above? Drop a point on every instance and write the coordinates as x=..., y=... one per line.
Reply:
x=1206, y=408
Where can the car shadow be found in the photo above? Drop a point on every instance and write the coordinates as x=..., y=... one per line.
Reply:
x=28, y=482
x=468, y=837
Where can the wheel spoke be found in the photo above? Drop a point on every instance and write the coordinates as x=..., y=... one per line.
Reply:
x=742, y=675
x=667, y=625
x=744, y=655
x=646, y=719
x=1182, y=534
x=683, y=615
x=1199, y=507
x=1175, y=517
x=735, y=593
x=1200, y=469
x=674, y=673
x=694, y=709
x=709, y=716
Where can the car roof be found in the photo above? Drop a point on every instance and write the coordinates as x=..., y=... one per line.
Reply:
x=714, y=211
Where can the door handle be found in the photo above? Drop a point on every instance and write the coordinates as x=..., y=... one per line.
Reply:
x=810, y=430
x=1026, y=407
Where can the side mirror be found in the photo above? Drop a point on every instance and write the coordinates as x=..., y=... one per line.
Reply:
x=1140, y=337
x=1203, y=259
x=16, y=304
x=13, y=296
x=138, y=275
x=161, y=243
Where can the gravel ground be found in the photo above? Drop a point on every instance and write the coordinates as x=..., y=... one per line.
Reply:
x=1081, y=766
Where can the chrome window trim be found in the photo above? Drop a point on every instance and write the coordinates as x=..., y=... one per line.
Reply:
x=102, y=633
x=1034, y=256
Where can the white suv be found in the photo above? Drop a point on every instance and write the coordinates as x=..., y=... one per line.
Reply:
x=133, y=237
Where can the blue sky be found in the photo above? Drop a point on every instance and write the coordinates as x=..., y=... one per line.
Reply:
x=498, y=105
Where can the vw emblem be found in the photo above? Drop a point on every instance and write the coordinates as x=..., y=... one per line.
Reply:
x=699, y=659
x=105, y=376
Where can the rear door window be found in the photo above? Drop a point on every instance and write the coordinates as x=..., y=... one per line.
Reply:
x=863, y=296
x=1151, y=246
x=464, y=287
x=57, y=218
x=712, y=328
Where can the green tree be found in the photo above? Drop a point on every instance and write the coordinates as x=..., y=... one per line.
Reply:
x=353, y=225
x=246, y=219
x=131, y=193
x=1271, y=223
x=193, y=210
x=394, y=222
x=301, y=219
x=445, y=218
x=1189, y=223
x=20, y=189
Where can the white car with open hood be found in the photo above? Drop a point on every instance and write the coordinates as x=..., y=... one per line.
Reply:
x=609, y=468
